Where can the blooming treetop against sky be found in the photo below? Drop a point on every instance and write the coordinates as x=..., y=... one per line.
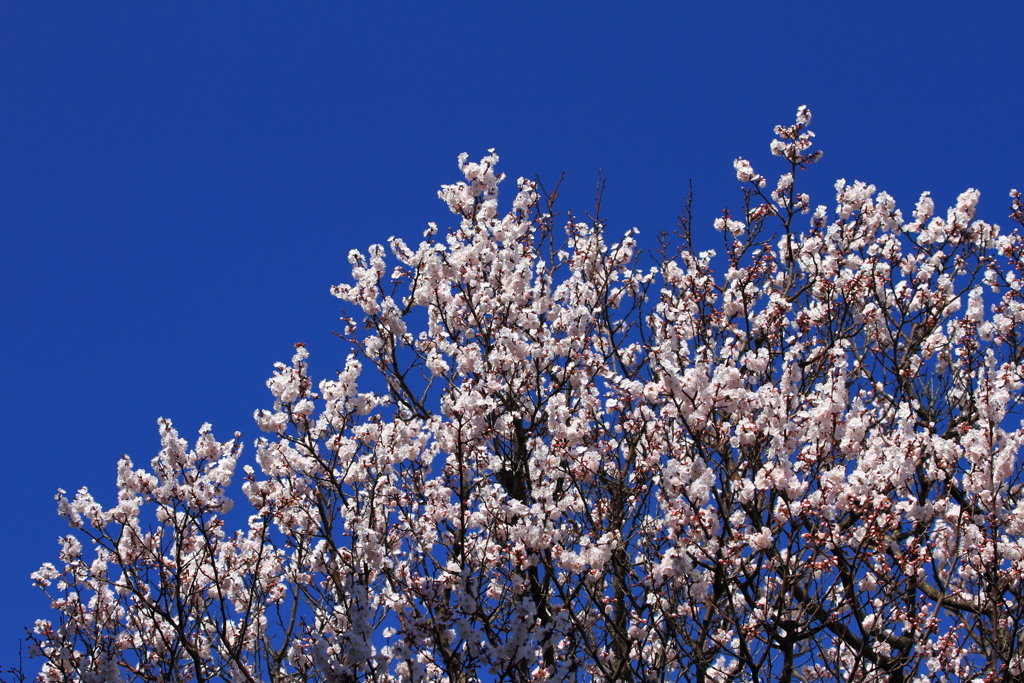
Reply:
x=792, y=458
x=181, y=183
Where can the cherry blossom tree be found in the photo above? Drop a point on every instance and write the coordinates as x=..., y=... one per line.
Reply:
x=792, y=459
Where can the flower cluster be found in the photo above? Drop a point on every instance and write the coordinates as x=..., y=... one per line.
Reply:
x=796, y=461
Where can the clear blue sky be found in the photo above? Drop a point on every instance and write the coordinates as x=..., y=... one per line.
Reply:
x=180, y=183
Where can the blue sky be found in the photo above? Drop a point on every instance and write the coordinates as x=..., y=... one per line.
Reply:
x=180, y=183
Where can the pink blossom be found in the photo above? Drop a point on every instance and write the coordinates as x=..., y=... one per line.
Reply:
x=579, y=465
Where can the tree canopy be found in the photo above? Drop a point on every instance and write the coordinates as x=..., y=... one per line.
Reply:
x=793, y=458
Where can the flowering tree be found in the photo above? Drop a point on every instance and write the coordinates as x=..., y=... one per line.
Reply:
x=794, y=460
